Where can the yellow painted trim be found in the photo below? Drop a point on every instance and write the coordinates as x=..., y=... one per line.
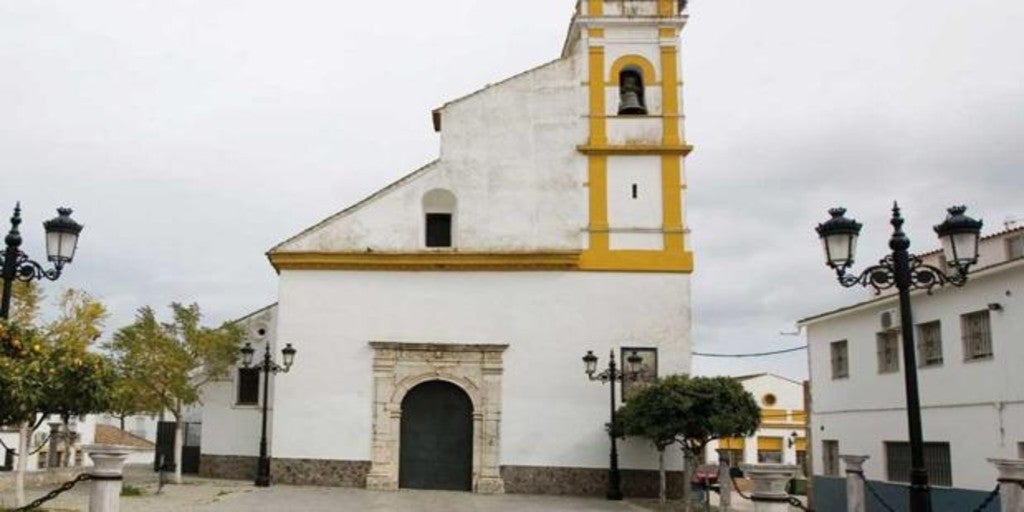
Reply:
x=667, y=32
x=598, y=188
x=595, y=7
x=773, y=444
x=425, y=261
x=732, y=443
x=665, y=7
x=670, y=95
x=598, y=133
x=800, y=444
x=596, y=32
x=634, y=149
x=774, y=416
x=646, y=68
x=637, y=261
x=672, y=202
x=799, y=416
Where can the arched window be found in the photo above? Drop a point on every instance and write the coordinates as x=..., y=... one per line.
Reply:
x=631, y=92
x=439, y=218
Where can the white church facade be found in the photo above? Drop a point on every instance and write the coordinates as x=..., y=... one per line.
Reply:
x=440, y=323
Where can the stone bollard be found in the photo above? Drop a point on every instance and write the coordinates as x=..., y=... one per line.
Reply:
x=724, y=486
x=856, y=501
x=1011, y=480
x=107, y=476
x=770, y=480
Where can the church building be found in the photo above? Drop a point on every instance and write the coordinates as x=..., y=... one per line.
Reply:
x=440, y=322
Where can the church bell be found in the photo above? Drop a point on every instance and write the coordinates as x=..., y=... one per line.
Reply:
x=630, y=105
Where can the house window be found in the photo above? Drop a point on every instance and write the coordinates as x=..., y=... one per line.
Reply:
x=929, y=344
x=1015, y=247
x=977, y=335
x=936, y=462
x=1020, y=450
x=840, y=360
x=631, y=93
x=248, y=386
x=888, y=352
x=769, y=450
x=830, y=457
x=439, y=230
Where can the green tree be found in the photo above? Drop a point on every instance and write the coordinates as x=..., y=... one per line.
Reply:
x=653, y=413
x=168, y=363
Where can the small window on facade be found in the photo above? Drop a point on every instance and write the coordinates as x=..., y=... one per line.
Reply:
x=830, y=457
x=248, y=386
x=635, y=191
x=888, y=352
x=1020, y=450
x=631, y=93
x=840, y=360
x=439, y=230
x=769, y=450
x=977, y=335
x=929, y=344
x=439, y=218
x=936, y=462
x=1015, y=247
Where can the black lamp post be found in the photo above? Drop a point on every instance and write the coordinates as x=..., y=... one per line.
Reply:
x=267, y=367
x=61, y=240
x=610, y=375
x=904, y=271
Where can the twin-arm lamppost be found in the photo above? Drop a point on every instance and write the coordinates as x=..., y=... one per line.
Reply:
x=611, y=375
x=61, y=240
x=266, y=367
x=904, y=271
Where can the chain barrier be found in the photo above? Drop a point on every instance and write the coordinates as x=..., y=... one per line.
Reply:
x=66, y=486
x=988, y=500
x=793, y=501
x=873, y=492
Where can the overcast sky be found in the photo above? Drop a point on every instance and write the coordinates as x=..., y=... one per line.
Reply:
x=192, y=135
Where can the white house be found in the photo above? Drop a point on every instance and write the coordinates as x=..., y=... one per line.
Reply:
x=971, y=389
x=440, y=323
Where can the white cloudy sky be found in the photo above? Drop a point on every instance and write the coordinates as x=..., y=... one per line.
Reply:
x=191, y=135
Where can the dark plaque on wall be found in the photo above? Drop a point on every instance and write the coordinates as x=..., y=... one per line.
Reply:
x=648, y=369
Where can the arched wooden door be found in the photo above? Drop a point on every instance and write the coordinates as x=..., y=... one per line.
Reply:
x=436, y=450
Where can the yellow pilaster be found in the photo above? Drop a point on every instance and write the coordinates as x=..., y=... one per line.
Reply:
x=598, y=135
x=666, y=7
x=670, y=94
x=595, y=7
x=671, y=200
x=598, y=184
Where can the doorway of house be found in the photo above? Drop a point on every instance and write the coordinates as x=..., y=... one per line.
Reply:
x=436, y=450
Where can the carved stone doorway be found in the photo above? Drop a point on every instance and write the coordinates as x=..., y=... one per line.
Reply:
x=476, y=369
x=436, y=441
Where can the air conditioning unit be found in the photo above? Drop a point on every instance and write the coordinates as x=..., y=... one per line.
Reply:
x=889, y=319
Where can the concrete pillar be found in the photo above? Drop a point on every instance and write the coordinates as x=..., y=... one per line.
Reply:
x=1011, y=480
x=856, y=501
x=53, y=456
x=724, y=485
x=107, y=474
x=769, y=480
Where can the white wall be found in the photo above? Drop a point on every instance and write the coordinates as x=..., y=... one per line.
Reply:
x=553, y=416
x=960, y=399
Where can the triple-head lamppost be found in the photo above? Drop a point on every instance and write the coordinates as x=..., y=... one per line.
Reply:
x=61, y=240
x=266, y=367
x=959, y=235
x=611, y=375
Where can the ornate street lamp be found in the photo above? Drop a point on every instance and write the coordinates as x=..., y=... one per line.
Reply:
x=904, y=271
x=610, y=375
x=267, y=367
x=61, y=240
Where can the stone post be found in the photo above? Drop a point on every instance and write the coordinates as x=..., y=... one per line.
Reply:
x=1011, y=480
x=53, y=457
x=856, y=500
x=107, y=476
x=724, y=484
x=770, y=480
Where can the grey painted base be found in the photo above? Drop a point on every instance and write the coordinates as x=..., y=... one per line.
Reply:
x=830, y=494
x=517, y=479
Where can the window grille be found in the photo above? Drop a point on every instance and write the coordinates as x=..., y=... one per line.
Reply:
x=1015, y=247
x=888, y=352
x=248, y=386
x=977, y=335
x=929, y=344
x=830, y=457
x=840, y=360
x=936, y=461
x=769, y=457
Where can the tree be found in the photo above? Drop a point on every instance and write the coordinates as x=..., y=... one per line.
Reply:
x=168, y=363
x=694, y=411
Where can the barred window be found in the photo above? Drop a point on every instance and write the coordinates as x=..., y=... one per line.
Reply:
x=840, y=360
x=936, y=462
x=248, y=386
x=888, y=352
x=977, y=335
x=1015, y=247
x=830, y=457
x=929, y=344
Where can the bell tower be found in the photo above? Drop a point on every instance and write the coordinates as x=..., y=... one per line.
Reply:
x=636, y=147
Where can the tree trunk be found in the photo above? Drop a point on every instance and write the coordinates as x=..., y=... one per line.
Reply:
x=687, y=477
x=67, y=444
x=662, y=495
x=19, y=474
x=179, y=432
x=122, y=422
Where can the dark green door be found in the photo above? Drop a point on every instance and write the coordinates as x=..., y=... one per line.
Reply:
x=437, y=438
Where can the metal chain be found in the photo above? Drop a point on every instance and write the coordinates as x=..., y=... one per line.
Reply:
x=66, y=486
x=867, y=485
x=988, y=499
x=792, y=500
